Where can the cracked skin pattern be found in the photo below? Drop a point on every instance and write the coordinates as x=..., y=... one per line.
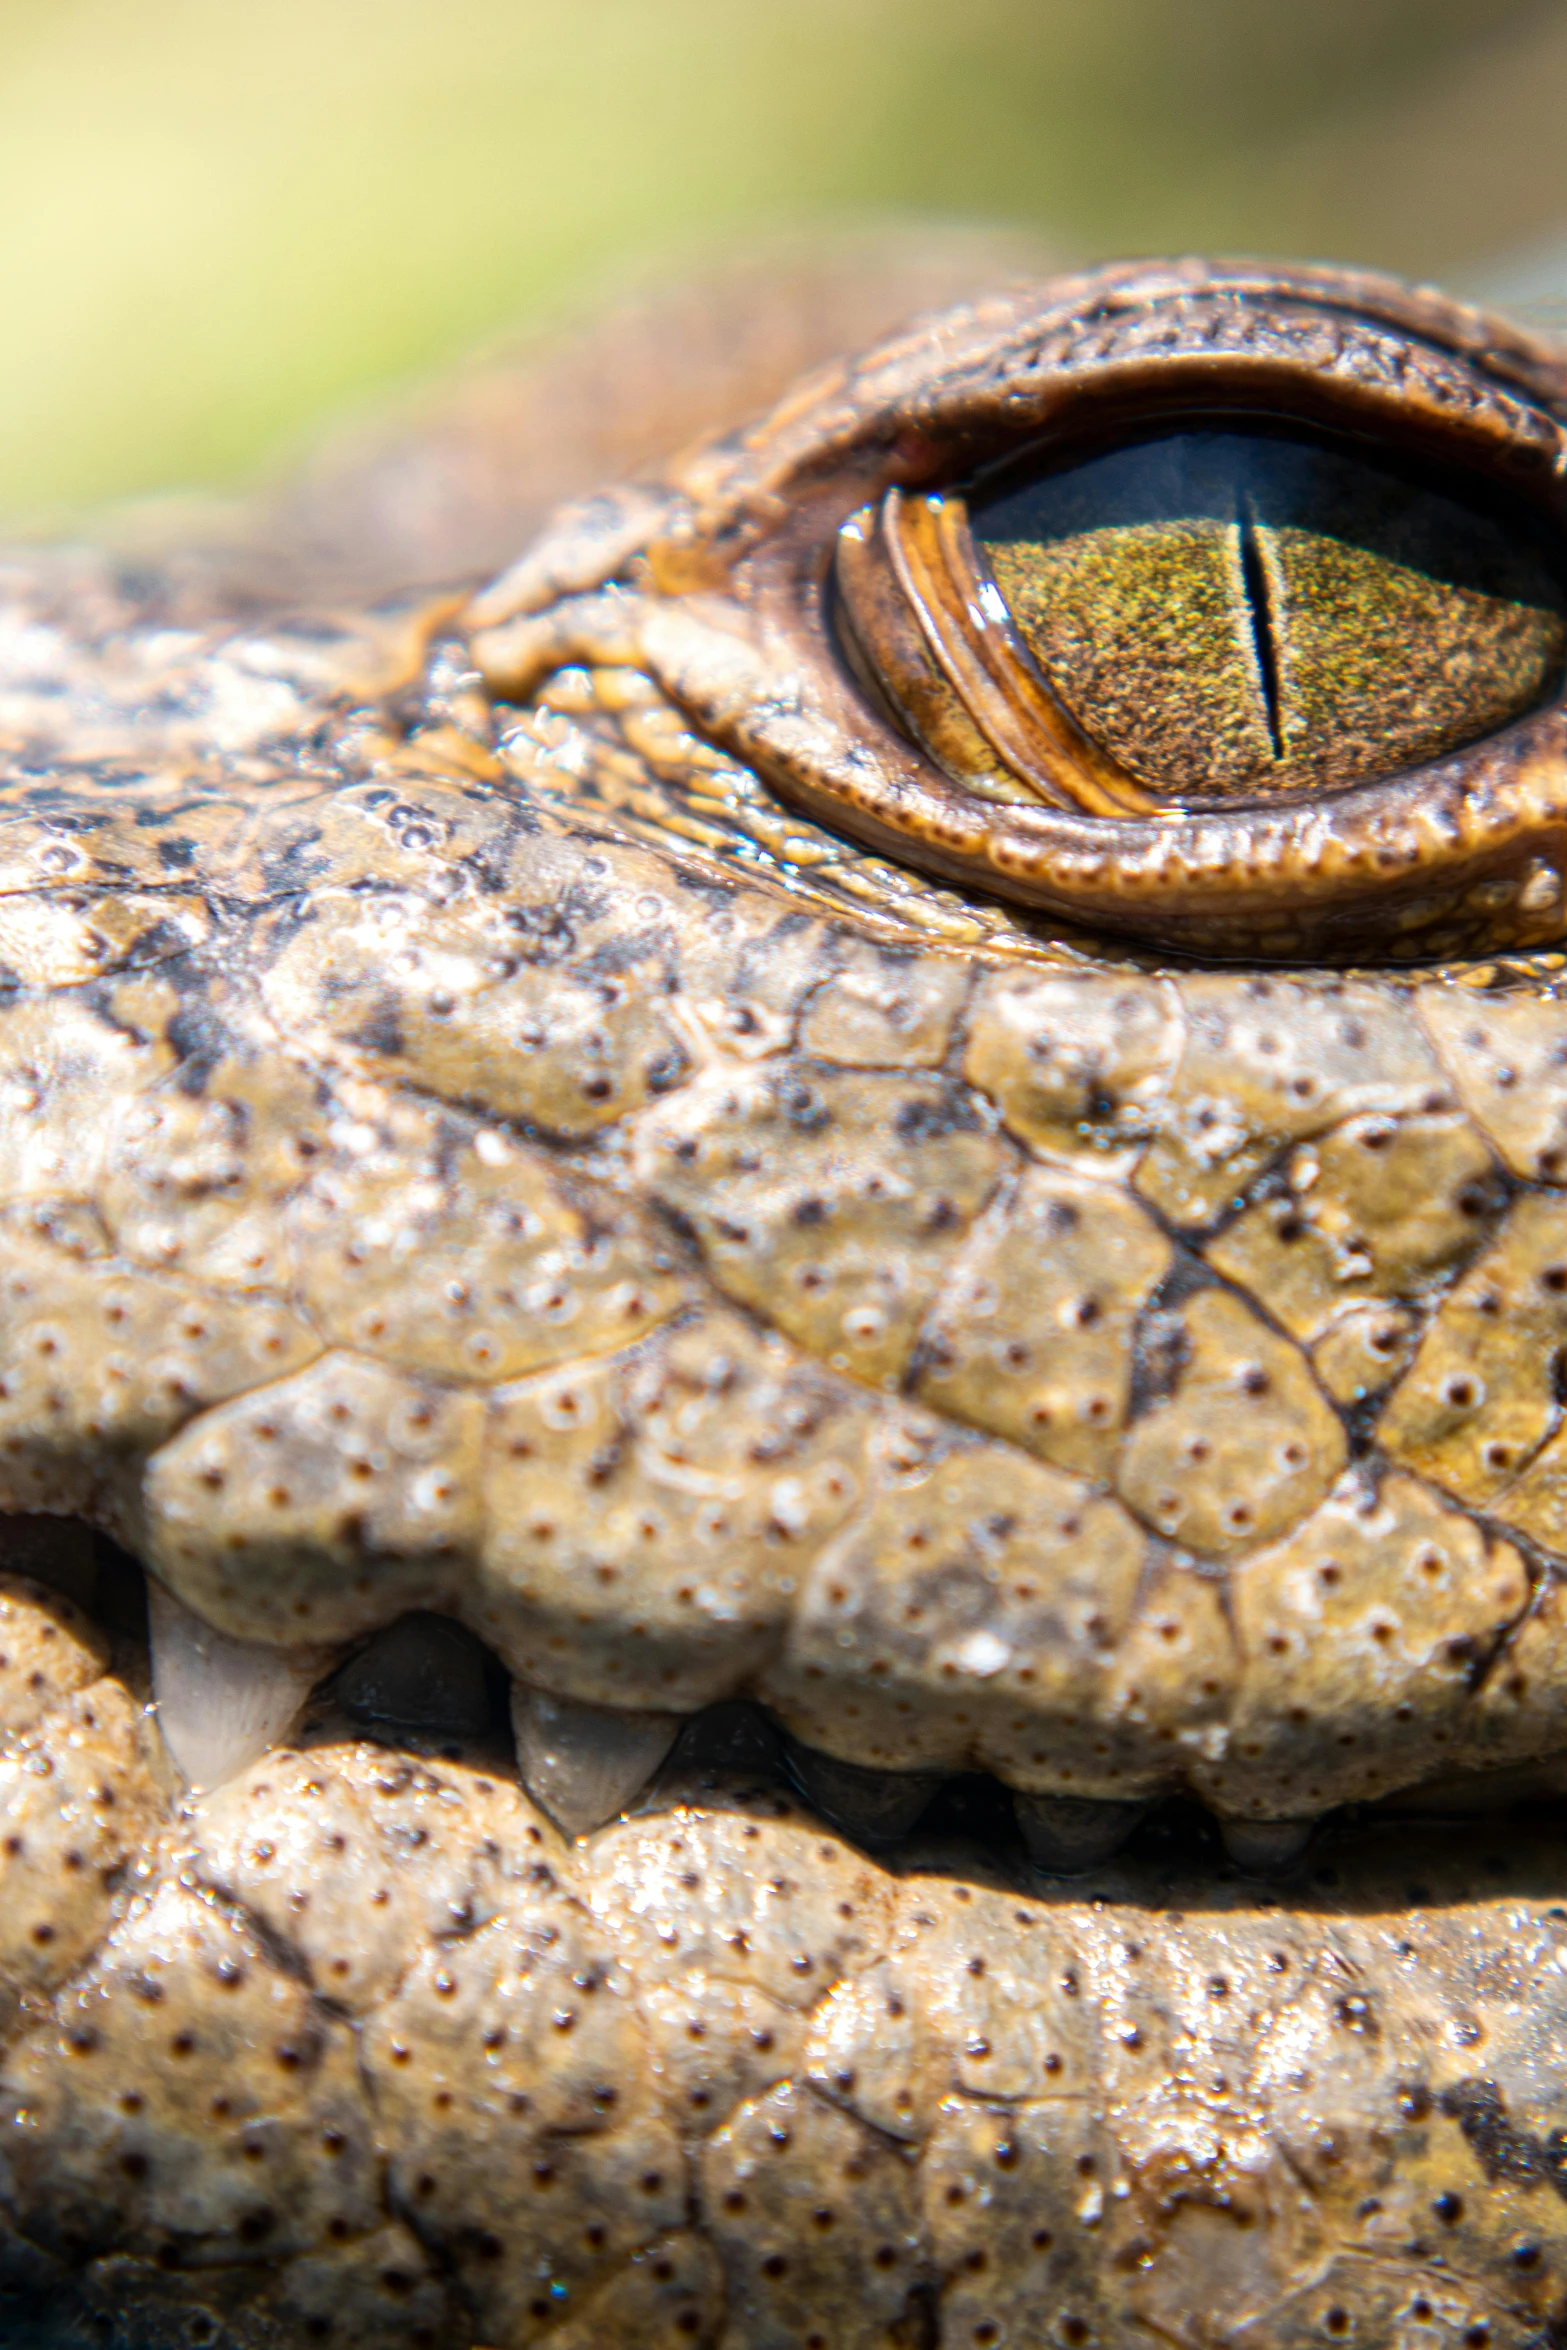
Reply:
x=467, y=1143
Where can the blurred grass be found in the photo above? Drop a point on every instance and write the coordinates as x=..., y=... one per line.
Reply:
x=219, y=221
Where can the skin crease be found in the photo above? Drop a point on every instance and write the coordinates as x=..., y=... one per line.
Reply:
x=537, y=1106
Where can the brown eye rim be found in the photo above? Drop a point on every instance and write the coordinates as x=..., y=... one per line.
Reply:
x=925, y=543
x=1467, y=854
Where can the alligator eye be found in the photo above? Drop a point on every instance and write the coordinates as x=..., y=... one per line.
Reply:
x=1216, y=607
x=1207, y=614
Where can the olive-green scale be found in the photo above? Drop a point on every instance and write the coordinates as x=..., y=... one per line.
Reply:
x=1244, y=612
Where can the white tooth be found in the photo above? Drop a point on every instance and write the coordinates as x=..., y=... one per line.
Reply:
x=1265, y=1848
x=221, y=1702
x=1067, y=1834
x=874, y=1807
x=584, y=1763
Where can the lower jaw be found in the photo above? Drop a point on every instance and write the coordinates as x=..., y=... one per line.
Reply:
x=362, y=2049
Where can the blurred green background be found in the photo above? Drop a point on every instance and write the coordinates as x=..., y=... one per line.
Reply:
x=221, y=220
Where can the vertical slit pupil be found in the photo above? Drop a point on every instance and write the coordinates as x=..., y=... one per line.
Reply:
x=1259, y=606
x=1388, y=619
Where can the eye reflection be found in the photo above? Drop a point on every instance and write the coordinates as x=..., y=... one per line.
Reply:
x=1237, y=612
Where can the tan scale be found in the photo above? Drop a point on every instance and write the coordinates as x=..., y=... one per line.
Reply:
x=318, y=1508
x=197, y=1185
x=1479, y=1399
x=753, y=1895
x=1271, y=1062
x=80, y=1792
x=1363, y=1635
x=830, y=1203
x=104, y=1362
x=469, y=1264
x=1013, y=2206
x=867, y=2050
x=189, y=2093
x=1517, y=1714
x=515, y=2056
x=815, y=2224
x=973, y=1612
x=415, y=817
x=667, y=2292
x=68, y=941
x=448, y=1001
x=1171, y=1687
x=1536, y=1507
x=1507, y=1056
x=1032, y=1337
x=884, y=1010
x=1363, y=1351
x=69, y=1835
x=61, y=1068
x=627, y=1561
x=714, y=2041
x=1381, y=1211
x=49, y=1647
x=998, y=2013
x=1079, y=1065
x=350, y=1861
x=750, y=967
x=39, y=852
x=1241, y=1446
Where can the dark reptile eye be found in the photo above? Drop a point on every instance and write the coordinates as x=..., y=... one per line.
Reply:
x=1206, y=615
x=1216, y=607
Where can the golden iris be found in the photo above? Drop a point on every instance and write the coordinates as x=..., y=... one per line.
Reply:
x=1243, y=613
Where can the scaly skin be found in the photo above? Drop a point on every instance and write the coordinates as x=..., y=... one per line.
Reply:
x=473, y=1142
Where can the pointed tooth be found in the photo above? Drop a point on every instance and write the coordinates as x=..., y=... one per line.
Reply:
x=874, y=1807
x=1068, y=1834
x=584, y=1763
x=423, y=1673
x=1265, y=1848
x=220, y=1702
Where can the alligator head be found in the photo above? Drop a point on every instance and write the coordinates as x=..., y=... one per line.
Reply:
x=781, y=1338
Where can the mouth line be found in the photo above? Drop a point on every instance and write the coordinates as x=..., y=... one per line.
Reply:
x=459, y=1706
